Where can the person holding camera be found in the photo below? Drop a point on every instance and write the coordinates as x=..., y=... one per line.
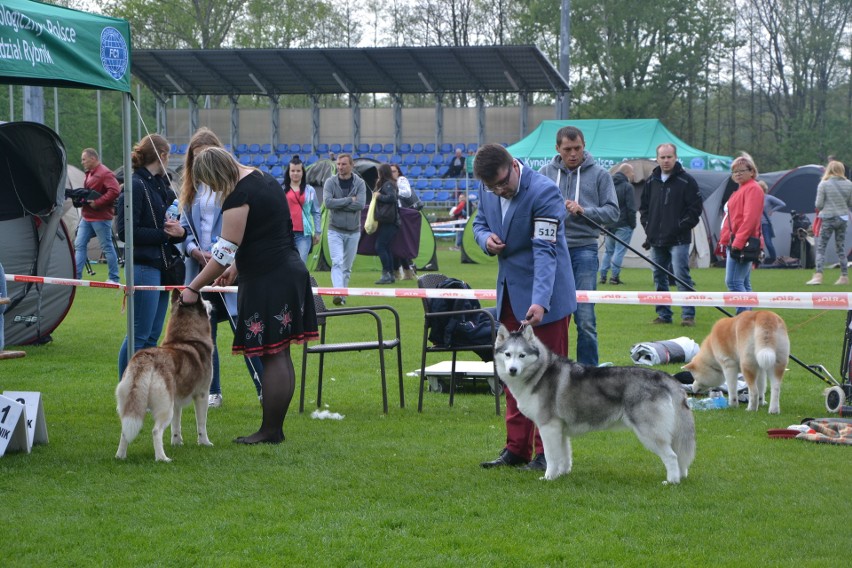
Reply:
x=745, y=209
x=97, y=214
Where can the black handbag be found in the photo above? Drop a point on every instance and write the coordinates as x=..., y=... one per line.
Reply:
x=173, y=272
x=385, y=212
x=751, y=252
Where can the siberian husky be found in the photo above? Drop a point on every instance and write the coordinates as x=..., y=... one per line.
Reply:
x=566, y=399
x=753, y=343
x=164, y=379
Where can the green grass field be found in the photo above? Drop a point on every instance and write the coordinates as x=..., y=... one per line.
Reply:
x=406, y=489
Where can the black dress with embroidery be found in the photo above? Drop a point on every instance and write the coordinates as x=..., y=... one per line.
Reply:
x=275, y=300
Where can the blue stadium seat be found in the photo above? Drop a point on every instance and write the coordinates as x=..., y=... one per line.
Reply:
x=450, y=184
x=429, y=171
x=282, y=148
x=421, y=185
x=242, y=149
x=173, y=148
x=362, y=148
x=335, y=147
x=427, y=196
x=307, y=149
x=271, y=160
x=429, y=148
x=257, y=160
x=409, y=159
x=263, y=168
x=404, y=148
x=376, y=148
x=266, y=149
x=276, y=171
x=254, y=148
x=472, y=148
x=322, y=148
x=284, y=159
x=443, y=196
x=435, y=184
x=181, y=149
x=245, y=159
x=396, y=159
x=442, y=170
x=424, y=159
x=415, y=171
x=446, y=148
x=388, y=149
x=417, y=148
x=437, y=160
x=347, y=148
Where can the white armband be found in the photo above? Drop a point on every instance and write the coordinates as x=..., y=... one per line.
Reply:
x=224, y=252
x=544, y=228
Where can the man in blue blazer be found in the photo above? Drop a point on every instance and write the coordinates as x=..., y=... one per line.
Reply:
x=521, y=220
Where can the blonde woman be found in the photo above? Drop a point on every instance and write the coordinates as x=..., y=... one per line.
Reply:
x=275, y=301
x=833, y=201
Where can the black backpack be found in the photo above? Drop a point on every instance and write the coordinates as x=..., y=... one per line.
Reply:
x=464, y=329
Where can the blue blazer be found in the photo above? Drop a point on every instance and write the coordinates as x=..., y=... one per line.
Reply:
x=533, y=270
x=191, y=220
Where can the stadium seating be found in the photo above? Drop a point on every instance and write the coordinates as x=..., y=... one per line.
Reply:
x=446, y=148
x=421, y=185
x=322, y=148
x=415, y=171
x=376, y=148
x=424, y=160
x=389, y=149
x=409, y=159
x=404, y=148
x=363, y=148
x=347, y=148
x=429, y=171
x=254, y=149
x=417, y=148
x=266, y=148
x=429, y=148
x=435, y=184
x=336, y=148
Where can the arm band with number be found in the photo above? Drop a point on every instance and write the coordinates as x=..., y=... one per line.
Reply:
x=545, y=228
x=224, y=251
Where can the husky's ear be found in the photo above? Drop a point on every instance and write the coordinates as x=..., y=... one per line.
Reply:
x=529, y=334
x=502, y=334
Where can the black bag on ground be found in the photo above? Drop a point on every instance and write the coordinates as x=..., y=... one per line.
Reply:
x=464, y=329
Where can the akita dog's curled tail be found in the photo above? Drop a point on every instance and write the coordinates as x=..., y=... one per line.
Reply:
x=567, y=399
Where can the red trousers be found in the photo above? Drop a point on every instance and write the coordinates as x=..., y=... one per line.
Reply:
x=521, y=434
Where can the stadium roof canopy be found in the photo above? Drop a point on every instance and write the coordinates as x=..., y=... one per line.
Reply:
x=397, y=70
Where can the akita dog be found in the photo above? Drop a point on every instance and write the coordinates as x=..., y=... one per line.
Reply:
x=566, y=399
x=754, y=344
x=164, y=379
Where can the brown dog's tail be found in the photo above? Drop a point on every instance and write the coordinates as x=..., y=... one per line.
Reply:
x=131, y=394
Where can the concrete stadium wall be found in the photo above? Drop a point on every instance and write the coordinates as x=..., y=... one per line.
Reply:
x=502, y=124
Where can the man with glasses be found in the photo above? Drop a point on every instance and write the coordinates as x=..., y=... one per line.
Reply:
x=588, y=191
x=521, y=220
x=344, y=196
x=670, y=208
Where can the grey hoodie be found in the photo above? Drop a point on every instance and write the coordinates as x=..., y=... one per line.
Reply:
x=344, y=214
x=596, y=197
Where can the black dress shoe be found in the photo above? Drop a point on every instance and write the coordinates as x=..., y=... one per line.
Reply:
x=505, y=458
x=539, y=463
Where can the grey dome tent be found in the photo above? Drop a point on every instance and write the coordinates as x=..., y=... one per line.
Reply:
x=36, y=241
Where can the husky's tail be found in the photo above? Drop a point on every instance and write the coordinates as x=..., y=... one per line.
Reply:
x=132, y=398
x=683, y=441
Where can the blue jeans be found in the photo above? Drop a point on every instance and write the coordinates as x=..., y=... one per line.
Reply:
x=614, y=251
x=149, y=313
x=738, y=277
x=384, y=238
x=677, y=257
x=342, y=247
x=768, y=234
x=85, y=231
x=303, y=245
x=584, y=264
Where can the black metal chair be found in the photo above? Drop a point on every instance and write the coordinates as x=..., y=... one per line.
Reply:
x=381, y=344
x=432, y=280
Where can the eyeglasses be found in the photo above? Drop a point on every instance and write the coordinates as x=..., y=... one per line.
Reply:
x=735, y=172
x=502, y=184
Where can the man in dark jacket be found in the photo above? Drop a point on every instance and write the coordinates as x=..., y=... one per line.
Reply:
x=671, y=206
x=623, y=228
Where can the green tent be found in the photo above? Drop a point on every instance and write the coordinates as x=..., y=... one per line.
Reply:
x=613, y=141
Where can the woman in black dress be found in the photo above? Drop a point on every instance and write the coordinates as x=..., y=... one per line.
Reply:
x=274, y=301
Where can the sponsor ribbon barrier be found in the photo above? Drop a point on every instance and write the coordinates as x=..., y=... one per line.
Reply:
x=770, y=300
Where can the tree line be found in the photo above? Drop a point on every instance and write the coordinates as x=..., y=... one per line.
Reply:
x=769, y=77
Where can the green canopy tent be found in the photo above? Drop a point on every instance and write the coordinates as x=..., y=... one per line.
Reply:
x=611, y=141
x=52, y=46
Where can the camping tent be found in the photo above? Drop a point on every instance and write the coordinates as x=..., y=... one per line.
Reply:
x=58, y=47
x=613, y=141
x=320, y=259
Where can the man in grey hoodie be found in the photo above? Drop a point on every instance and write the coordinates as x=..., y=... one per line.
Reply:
x=344, y=196
x=587, y=190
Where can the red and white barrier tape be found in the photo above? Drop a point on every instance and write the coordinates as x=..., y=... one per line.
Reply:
x=793, y=300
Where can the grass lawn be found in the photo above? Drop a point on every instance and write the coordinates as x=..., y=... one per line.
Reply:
x=406, y=489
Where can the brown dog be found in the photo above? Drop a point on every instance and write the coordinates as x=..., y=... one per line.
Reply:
x=754, y=343
x=164, y=379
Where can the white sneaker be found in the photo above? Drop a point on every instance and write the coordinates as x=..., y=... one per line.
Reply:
x=214, y=401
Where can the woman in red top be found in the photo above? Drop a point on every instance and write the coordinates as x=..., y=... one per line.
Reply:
x=745, y=208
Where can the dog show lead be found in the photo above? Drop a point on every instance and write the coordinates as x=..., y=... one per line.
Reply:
x=257, y=234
